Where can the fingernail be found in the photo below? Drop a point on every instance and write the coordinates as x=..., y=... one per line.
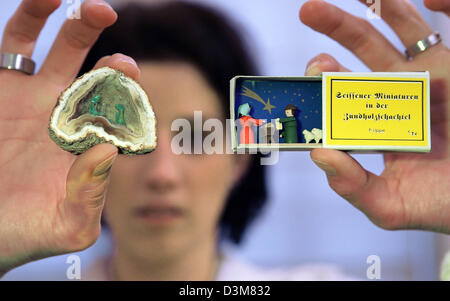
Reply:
x=313, y=69
x=330, y=171
x=127, y=59
x=104, y=167
x=105, y=3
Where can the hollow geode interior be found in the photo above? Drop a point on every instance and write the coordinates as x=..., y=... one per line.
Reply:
x=104, y=106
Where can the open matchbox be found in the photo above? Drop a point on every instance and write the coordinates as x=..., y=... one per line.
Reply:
x=367, y=112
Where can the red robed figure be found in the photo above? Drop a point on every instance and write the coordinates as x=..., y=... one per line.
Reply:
x=246, y=136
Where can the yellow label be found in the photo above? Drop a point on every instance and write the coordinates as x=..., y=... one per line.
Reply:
x=376, y=111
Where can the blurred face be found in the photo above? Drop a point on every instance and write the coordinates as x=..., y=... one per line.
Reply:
x=162, y=204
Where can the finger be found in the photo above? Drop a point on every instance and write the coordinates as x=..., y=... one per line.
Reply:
x=120, y=62
x=323, y=63
x=364, y=190
x=439, y=5
x=75, y=39
x=354, y=33
x=403, y=17
x=86, y=189
x=22, y=30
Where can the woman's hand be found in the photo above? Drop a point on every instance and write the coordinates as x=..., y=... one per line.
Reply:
x=50, y=200
x=413, y=192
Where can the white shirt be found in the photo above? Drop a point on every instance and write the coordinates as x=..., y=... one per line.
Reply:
x=235, y=268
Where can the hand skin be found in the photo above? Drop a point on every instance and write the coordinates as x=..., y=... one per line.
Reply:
x=413, y=192
x=51, y=201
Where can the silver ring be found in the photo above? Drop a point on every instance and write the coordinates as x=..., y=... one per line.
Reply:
x=12, y=61
x=423, y=45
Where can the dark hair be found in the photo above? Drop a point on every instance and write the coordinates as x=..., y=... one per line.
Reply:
x=178, y=31
x=291, y=107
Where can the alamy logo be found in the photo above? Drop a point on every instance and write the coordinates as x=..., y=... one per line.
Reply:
x=73, y=272
x=374, y=10
x=374, y=270
x=189, y=139
x=73, y=11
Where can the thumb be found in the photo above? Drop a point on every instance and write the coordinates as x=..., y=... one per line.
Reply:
x=85, y=192
x=366, y=191
x=323, y=63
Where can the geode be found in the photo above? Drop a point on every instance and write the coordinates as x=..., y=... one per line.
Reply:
x=102, y=106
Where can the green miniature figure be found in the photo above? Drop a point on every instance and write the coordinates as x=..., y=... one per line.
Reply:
x=93, y=107
x=120, y=114
x=289, y=125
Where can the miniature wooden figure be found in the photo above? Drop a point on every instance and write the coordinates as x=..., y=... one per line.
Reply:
x=245, y=124
x=315, y=134
x=289, y=124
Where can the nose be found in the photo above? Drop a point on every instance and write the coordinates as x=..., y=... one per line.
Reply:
x=162, y=170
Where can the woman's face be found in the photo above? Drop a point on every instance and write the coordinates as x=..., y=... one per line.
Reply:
x=162, y=204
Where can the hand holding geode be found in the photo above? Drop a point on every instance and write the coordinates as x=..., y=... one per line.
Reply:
x=104, y=106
